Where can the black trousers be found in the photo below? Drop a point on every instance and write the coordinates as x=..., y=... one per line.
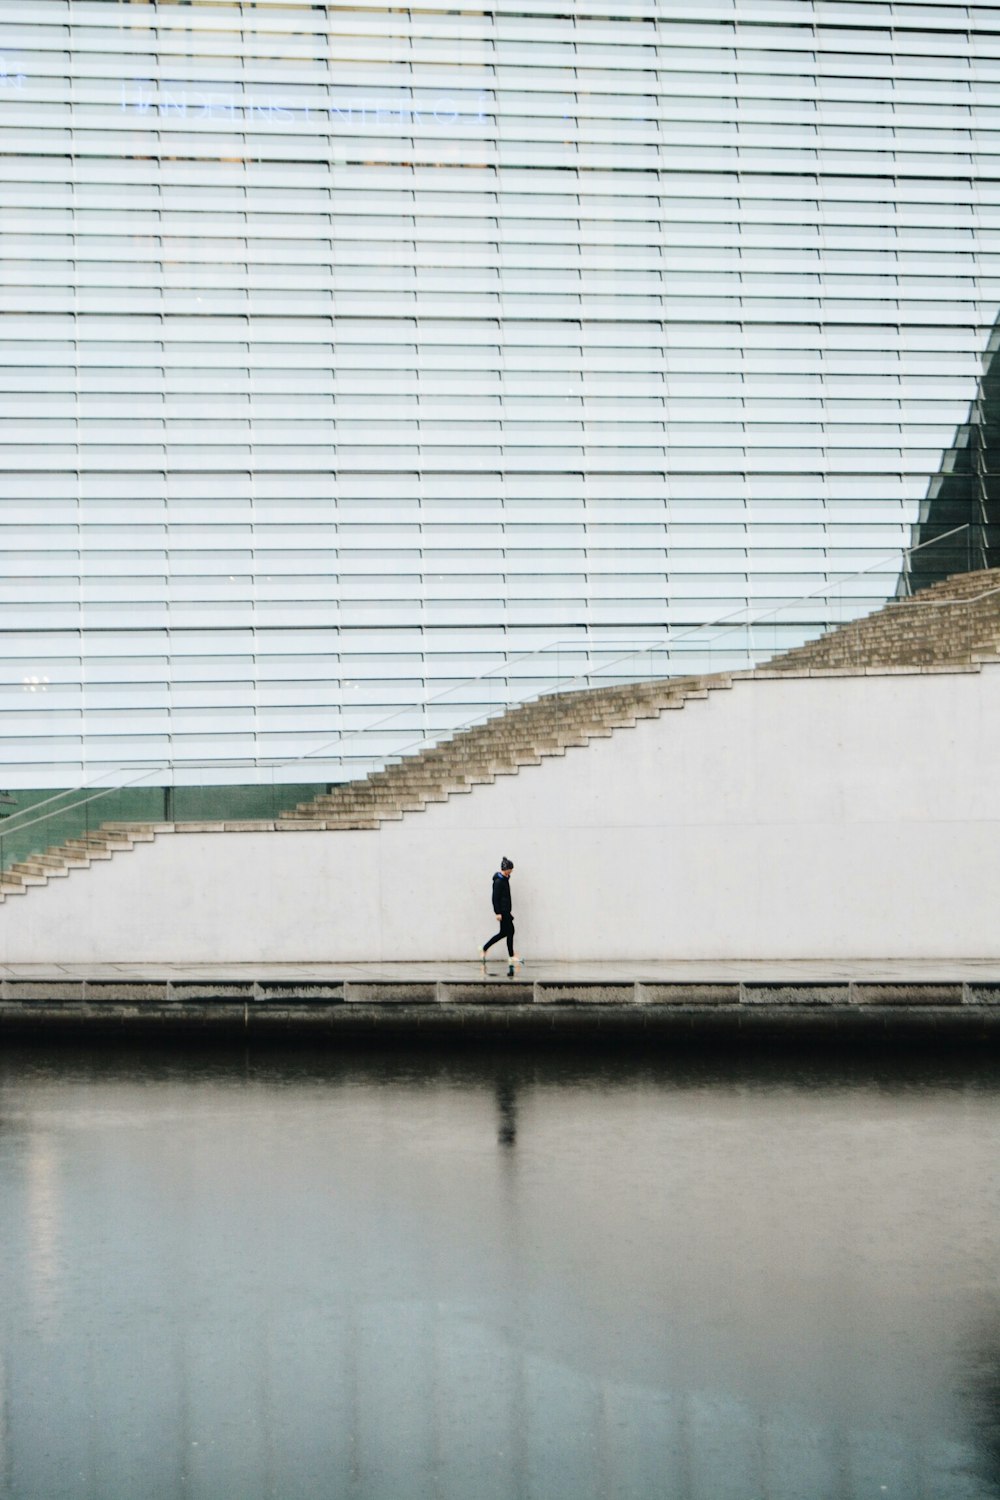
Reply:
x=506, y=931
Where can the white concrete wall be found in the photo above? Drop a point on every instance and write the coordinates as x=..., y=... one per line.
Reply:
x=826, y=817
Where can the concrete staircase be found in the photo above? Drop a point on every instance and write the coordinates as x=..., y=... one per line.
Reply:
x=523, y=736
x=954, y=623
x=76, y=854
x=954, y=626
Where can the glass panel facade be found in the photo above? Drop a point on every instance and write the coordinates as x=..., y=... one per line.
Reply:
x=348, y=355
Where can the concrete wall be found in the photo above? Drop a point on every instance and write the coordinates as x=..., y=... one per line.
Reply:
x=827, y=817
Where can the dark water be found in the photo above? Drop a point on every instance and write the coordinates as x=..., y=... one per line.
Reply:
x=232, y=1277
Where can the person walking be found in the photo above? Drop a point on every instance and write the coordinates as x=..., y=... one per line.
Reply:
x=502, y=907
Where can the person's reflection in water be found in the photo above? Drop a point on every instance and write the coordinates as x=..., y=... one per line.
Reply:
x=506, y=1112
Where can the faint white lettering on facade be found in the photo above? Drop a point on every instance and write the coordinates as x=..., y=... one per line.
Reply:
x=140, y=95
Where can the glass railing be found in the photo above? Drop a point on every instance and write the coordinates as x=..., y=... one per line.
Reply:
x=172, y=792
x=44, y=820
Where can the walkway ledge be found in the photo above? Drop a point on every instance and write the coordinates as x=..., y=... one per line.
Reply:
x=855, y=1000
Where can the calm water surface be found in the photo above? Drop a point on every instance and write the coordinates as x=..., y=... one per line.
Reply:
x=227, y=1277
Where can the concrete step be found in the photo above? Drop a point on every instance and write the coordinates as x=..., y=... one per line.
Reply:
x=436, y=783
x=402, y=796
x=410, y=776
x=98, y=840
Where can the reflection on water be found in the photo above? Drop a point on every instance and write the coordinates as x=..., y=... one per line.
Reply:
x=432, y=1277
x=506, y=1096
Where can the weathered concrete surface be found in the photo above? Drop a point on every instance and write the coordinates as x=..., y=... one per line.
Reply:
x=888, y=1001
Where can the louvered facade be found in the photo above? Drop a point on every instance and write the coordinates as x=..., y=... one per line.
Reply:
x=353, y=352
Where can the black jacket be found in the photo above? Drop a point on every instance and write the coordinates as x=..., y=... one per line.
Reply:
x=501, y=895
